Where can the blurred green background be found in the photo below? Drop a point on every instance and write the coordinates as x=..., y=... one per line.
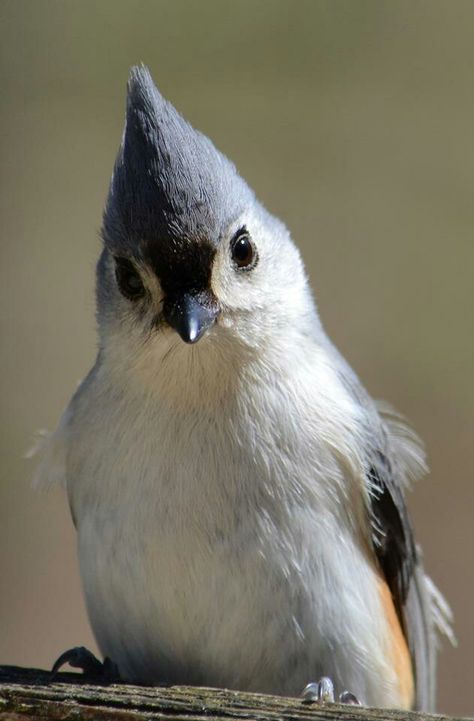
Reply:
x=353, y=120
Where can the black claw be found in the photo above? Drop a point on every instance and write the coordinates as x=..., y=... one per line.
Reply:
x=349, y=698
x=110, y=671
x=92, y=668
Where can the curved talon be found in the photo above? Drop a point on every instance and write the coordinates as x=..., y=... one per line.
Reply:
x=310, y=693
x=349, y=698
x=325, y=690
x=79, y=657
x=320, y=693
x=110, y=671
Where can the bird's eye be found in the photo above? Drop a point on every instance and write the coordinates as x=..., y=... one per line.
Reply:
x=128, y=279
x=243, y=250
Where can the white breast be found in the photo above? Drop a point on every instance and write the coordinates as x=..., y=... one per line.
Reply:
x=217, y=544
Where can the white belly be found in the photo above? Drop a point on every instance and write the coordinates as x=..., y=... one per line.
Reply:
x=224, y=563
x=237, y=606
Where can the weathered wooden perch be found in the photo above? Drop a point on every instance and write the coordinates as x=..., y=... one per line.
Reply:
x=27, y=694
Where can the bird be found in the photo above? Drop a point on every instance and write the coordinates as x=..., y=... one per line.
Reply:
x=238, y=496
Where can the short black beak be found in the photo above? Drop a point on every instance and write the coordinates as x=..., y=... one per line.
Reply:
x=189, y=316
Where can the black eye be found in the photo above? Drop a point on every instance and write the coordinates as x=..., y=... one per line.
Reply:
x=128, y=279
x=243, y=250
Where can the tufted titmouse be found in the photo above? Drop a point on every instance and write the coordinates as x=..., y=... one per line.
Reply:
x=238, y=497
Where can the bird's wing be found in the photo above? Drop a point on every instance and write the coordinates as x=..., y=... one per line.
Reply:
x=51, y=449
x=398, y=458
x=399, y=560
x=394, y=458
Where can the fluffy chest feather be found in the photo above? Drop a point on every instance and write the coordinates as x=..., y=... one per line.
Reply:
x=198, y=564
x=220, y=545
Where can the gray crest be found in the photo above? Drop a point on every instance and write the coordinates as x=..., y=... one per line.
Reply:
x=170, y=184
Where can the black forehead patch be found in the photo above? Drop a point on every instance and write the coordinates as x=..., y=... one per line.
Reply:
x=182, y=265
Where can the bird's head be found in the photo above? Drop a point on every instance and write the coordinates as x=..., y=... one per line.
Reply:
x=190, y=255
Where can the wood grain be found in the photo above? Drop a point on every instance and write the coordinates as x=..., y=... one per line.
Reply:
x=27, y=694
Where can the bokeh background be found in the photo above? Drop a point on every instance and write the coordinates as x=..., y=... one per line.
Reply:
x=354, y=121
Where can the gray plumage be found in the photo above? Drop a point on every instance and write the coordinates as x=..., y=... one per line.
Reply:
x=239, y=502
x=170, y=183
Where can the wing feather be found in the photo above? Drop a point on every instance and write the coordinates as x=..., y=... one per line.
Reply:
x=395, y=458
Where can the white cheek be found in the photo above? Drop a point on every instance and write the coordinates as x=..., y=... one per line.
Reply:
x=234, y=289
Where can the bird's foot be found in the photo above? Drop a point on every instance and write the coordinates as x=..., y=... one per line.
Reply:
x=93, y=669
x=322, y=692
